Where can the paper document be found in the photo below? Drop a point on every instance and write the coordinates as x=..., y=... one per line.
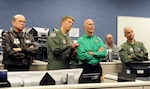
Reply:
x=74, y=32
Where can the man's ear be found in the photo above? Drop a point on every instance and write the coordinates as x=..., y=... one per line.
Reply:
x=125, y=35
x=12, y=22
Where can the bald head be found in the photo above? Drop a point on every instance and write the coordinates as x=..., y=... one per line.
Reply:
x=109, y=39
x=18, y=22
x=87, y=21
x=127, y=28
x=109, y=36
x=17, y=16
x=89, y=26
x=128, y=33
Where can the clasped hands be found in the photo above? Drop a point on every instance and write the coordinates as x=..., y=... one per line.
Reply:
x=74, y=46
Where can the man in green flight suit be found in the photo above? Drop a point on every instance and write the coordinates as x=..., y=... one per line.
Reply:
x=131, y=50
x=61, y=47
x=91, y=50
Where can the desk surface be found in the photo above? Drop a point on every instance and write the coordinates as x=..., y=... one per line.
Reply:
x=114, y=62
x=35, y=62
x=108, y=67
x=89, y=86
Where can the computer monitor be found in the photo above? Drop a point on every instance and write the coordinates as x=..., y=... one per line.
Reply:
x=90, y=78
x=66, y=76
x=39, y=34
x=25, y=78
x=123, y=77
x=1, y=34
x=3, y=75
x=34, y=78
x=140, y=68
x=3, y=79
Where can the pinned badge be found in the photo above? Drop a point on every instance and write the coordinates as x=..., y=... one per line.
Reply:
x=16, y=41
x=96, y=40
x=64, y=41
x=131, y=49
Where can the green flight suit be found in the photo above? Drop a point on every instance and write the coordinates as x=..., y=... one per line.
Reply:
x=90, y=44
x=59, y=50
x=132, y=52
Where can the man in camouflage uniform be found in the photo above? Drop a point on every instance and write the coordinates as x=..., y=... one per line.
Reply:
x=131, y=50
x=61, y=48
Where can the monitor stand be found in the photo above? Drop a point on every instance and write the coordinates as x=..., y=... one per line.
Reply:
x=5, y=84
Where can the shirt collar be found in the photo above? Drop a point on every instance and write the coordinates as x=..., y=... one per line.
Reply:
x=62, y=33
x=135, y=42
x=88, y=36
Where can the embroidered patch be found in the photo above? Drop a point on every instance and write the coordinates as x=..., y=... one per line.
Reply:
x=52, y=35
x=131, y=49
x=96, y=40
x=64, y=41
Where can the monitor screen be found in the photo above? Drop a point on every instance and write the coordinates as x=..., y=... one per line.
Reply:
x=66, y=76
x=3, y=75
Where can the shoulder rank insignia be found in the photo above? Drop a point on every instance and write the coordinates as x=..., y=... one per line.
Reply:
x=52, y=34
x=56, y=29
